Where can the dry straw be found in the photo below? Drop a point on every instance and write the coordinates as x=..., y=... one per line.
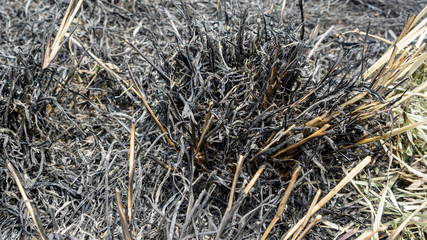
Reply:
x=282, y=204
x=27, y=202
x=52, y=51
x=233, y=207
x=131, y=170
x=328, y=196
x=125, y=225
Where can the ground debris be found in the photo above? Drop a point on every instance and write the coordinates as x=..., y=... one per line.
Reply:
x=223, y=80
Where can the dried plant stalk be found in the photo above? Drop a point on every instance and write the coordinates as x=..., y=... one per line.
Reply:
x=391, y=134
x=271, y=143
x=332, y=193
x=254, y=179
x=309, y=213
x=282, y=204
x=310, y=226
x=230, y=211
x=404, y=41
x=318, y=133
x=205, y=130
x=27, y=201
x=135, y=85
x=51, y=52
x=236, y=176
x=125, y=226
x=131, y=170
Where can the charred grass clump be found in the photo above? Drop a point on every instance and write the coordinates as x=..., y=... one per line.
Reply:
x=235, y=130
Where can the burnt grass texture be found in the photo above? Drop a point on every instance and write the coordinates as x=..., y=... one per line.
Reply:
x=223, y=78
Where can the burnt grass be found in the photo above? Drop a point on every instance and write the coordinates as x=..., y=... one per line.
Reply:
x=232, y=69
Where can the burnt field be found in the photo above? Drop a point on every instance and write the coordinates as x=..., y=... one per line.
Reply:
x=212, y=119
